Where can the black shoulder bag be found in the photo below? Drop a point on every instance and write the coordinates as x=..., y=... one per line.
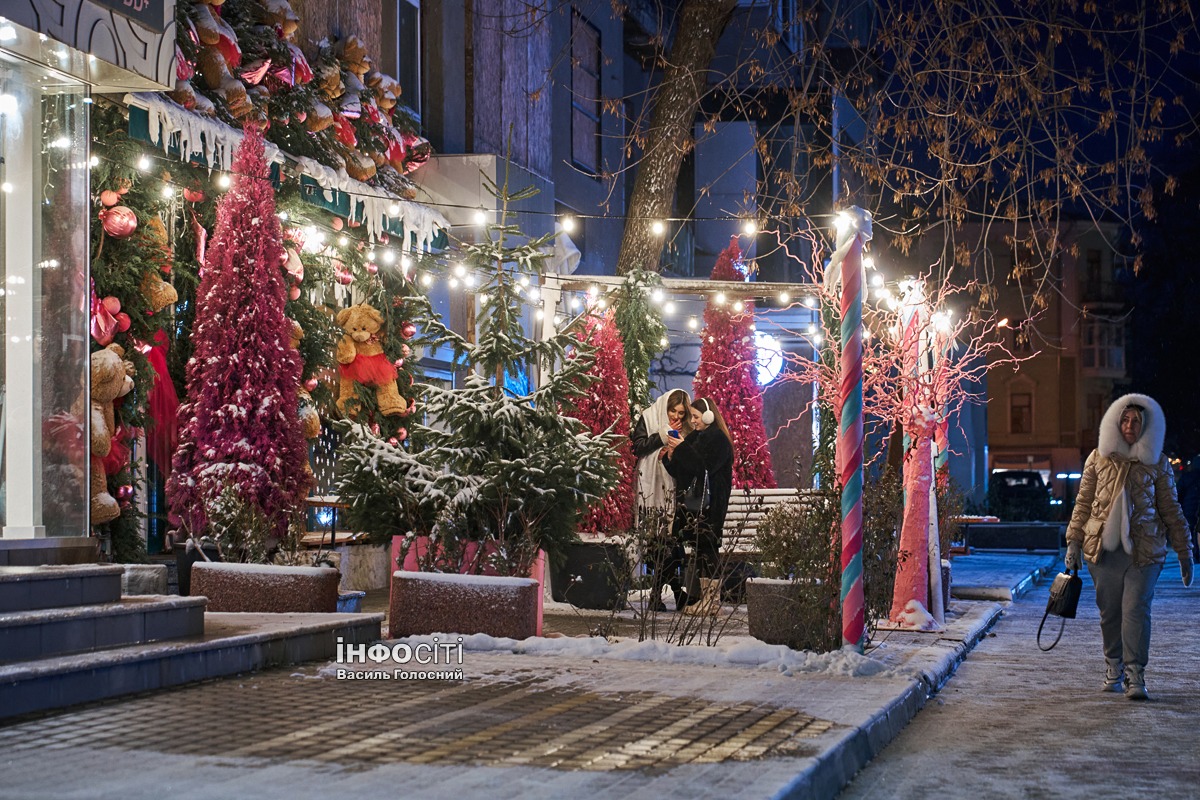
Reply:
x=695, y=499
x=1063, y=602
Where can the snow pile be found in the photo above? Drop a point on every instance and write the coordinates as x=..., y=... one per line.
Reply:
x=916, y=618
x=734, y=651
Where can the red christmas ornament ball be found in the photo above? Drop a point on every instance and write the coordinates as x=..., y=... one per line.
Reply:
x=407, y=329
x=399, y=363
x=193, y=195
x=338, y=224
x=311, y=384
x=394, y=442
x=124, y=492
x=109, y=198
x=294, y=293
x=372, y=267
x=402, y=434
x=123, y=322
x=118, y=221
x=111, y=304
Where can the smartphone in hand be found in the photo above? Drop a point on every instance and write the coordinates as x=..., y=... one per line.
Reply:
x=674, y=434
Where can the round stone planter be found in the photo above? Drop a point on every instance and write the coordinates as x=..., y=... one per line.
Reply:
x=593, y=575
x=432, y=602
x=266, y=588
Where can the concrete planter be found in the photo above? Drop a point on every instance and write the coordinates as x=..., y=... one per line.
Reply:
x=434, y=602
x=266, y=588
x=772, y=606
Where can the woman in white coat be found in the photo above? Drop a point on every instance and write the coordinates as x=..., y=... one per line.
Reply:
x=665, y=418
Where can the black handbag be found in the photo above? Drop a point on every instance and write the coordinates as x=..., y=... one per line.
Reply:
x=1063, y=603
x=695, y=499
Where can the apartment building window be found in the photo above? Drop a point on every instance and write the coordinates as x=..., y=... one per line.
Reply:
x=585, y=94
x=1103, y=347
x=400, y=22
x=1020, y=412
x=1093, y=274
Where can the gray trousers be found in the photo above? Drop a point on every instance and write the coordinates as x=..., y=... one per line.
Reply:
x=1124, y=594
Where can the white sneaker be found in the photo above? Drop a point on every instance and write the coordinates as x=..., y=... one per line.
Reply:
x=1135, y=684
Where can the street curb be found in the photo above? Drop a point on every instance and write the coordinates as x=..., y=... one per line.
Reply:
x=830, y=772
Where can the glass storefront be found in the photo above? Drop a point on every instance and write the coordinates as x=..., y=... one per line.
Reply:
x=44, y=212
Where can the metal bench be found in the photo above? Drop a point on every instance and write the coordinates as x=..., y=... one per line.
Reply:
x=747, y=507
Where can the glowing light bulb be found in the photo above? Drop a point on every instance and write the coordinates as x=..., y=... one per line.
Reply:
x=454, y=283
x=568, y=223
x=426, y=279
x=669, y=307
x=394, y=209
x=143, y=163
x=6, y=187
x=657, y=227
x=720, y=298
x=664, y=342
x=343, y=240
x=168, y=191
x=692, y=323
x=480, y=216
x=459, y=270
x=877, y=280
x=749, y=227
x=223, y=181
x=739, y=306
x=656, y=295
x=811, y=302
x=94, y=161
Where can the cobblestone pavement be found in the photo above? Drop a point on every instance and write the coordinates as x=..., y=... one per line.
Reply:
x=492, y=720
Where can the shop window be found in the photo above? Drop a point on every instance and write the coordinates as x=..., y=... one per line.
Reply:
x=44, y=217
x=401, y=44
x=585, y=94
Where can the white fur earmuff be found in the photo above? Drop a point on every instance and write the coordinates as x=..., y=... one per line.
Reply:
x=708, y=417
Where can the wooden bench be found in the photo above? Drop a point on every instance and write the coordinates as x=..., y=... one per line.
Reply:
x=747, y=507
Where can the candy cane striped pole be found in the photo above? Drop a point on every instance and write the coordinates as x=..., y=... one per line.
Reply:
x=850, y=447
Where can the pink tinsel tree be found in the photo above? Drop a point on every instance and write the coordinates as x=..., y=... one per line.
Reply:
x=728, y=375
x=604, y=405
x=240, y=439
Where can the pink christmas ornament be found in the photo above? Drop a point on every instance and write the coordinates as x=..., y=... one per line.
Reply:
x=405, y=350
x=109, y=198
x=384, y=238
x=407, y=329
x=394, y=442
x=193, y=195
x=372, y=267
x=344, y=278
x=111, y=304
x=399, y=362
x=123, y=322
x=118, y=221
x=337, y=223
x=311, y=384
x=402, y=434
x=294, y=293
x=124, y=492
x=375, y=428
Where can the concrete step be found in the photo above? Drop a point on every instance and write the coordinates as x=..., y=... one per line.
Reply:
x=231, y=643
x=43, y=633
x=59, y=586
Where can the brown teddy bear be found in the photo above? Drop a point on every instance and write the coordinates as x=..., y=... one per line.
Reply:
x=361, y=359
x=111, y=378
x=310, y=418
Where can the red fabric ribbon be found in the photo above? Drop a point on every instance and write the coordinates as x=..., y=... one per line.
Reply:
x=103, y=324
x=162, y=438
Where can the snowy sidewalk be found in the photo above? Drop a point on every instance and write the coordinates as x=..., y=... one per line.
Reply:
x=541, y=718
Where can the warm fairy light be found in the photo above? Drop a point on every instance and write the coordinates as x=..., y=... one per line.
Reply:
x=664, y=342
x=389, y=257
x=453, y=283
x=720, y=298
x=877, y=280
x=469, y=280
x=426, y=279
x=1003, y=323
x=539, y=314
x=601, y=304
x=168, y=191
x=370, y=255
x=657, y=227
x=811, y=302
x=480, y=216
x=692, y=323
x=523, y=280
x=657, y=295
x=574, y=303
x=749, y=227
x=459, y=270
x=6, y=187
x=739, y=306
x=785, y=298
x=593, y=291
x=394, y=209
x=818, y=340
x=669, y=307
x=568, y=223
x=343, y=240
x=812, y=327
x=868, y=262
x=223, y=181
x=143, y=163
x=94, y=161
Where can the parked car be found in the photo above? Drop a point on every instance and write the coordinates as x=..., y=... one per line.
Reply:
x=1019, y=495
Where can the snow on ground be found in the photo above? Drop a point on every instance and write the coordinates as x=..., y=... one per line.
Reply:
x=731, y=651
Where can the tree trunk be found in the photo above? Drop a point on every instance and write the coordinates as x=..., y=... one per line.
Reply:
x=701, y=23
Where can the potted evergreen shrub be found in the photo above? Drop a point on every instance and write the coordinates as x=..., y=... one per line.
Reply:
x=495, y=472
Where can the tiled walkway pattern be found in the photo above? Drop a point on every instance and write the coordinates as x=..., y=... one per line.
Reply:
x=484, y=721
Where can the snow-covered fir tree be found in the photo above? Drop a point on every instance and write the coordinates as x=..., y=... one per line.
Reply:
x=728, y=375
x=502, y=465
x=603, y=408
x=241, y=454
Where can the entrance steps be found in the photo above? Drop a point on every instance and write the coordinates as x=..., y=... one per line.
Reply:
x=68, y=637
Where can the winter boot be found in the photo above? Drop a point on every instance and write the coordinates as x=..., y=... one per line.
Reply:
x=1135, y=684
x=710, y=600
x=1114, y=675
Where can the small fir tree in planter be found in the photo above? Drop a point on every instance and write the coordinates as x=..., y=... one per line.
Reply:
x=504, y=470
x=241, y=452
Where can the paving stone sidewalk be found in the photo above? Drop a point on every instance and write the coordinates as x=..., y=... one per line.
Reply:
x=516, y=725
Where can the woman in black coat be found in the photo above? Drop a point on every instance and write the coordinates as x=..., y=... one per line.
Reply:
x=706, y=455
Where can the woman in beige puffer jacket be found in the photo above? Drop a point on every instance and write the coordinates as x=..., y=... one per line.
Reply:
x=1125, y=515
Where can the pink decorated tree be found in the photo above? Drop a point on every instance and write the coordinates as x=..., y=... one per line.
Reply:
x=728, y=375
x=241, y=454
x=604, y=407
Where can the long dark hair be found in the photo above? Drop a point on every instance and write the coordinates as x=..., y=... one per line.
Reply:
x=703, y=404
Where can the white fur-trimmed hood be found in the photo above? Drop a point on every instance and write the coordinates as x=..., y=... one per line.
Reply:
x=1147, y=449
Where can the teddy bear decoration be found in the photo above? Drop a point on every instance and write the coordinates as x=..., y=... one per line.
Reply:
x=361, y=361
